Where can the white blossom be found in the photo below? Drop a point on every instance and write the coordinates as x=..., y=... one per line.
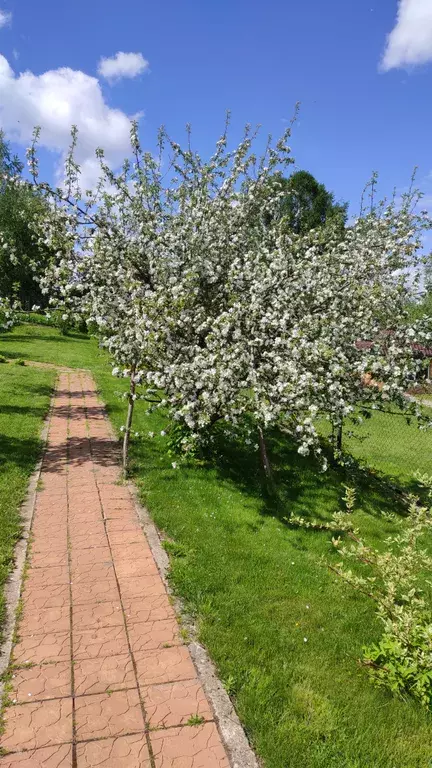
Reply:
x=198, y=291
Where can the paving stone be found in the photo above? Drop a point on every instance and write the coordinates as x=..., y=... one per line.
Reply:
x=103, y=641
x=117, y=507
x=30, y=726
x=80, y=531
x=40, y=578
x=164, y=665
x=52, y=518
x=49, y=558
x=123, y=526
x=80, y=507
x=91, y=572
x=135, y=568
x=174, y=704
x=130, y=552
x=189, y=747
x=94, y=591
x=90, y=540
x=108, y=714
x=48, y=757
x=84, y=518
x=122, y=752
x=99, y=675
x=52, y=501
x=148, y=608
x=154, y=634
x=43, y=544
x=145, y=585
x=82, y=557
x=83, y=500
x=41, y=649
x=49, y=681
x=46, y=620
x=52, y=596
x=115, y=492
x=95, y=615
x=123, y=538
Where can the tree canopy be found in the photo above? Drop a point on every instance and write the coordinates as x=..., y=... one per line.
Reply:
x=306, y=204
x=199, y=290
x=21, y=257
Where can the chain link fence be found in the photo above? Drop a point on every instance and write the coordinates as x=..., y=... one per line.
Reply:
x=387, y=442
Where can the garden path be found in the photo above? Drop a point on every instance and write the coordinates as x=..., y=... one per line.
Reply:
x=100, y=675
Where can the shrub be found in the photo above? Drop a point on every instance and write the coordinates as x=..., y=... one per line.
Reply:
x=62, y=321
x=19, y=361
x=394, y=578
x=3, y=359
x=34, y=318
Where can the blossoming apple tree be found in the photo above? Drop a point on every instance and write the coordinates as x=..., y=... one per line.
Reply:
x=8, y=307
x=202, y=295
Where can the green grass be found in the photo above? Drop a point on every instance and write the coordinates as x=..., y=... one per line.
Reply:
x=24, y=399
x=46, y=344
x=389, y=444
x=258, y=588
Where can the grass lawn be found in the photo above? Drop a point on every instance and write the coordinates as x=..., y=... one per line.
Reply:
x=283, y=633
x=387, y=443
x=45, y=344
x=24, y=400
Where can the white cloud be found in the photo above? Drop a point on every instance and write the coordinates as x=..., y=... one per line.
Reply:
x=55, y=100
x=5, y=18
x=410, y=41
x=122, y=65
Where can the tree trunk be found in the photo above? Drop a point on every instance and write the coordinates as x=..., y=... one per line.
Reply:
x=339, y=437
x=126, y=439
x=264, y=456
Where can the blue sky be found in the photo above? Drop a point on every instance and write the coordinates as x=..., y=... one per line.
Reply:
x=256, y=58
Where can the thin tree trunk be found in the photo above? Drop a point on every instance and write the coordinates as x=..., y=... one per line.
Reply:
x=339, y=438
x=264, y=455
x=126, y=438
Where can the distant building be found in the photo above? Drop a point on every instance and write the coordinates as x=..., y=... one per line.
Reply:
x=426, y=354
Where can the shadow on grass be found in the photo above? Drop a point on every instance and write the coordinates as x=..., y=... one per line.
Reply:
x=21, y=452
x=29, y=410
x=299, y=486
x=9, y=340
x=52, y=338
x=39, y=389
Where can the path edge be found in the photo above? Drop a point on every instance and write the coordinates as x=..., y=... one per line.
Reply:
x=239, y=750
x=12, y=587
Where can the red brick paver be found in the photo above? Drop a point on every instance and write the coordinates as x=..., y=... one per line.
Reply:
x=100, y=674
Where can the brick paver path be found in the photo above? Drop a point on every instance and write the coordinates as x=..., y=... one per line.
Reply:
x=100, y=676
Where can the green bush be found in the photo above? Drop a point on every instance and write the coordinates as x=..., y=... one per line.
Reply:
x=61, y=321
x=34, y=318
x=3, y=359
x=394, y=578
x=55, y=319
x=19, y=361
x=403, y=667
x=92, y=328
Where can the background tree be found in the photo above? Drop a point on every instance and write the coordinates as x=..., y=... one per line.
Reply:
x=20, y=204
x=306, y=204
x=422, y=307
